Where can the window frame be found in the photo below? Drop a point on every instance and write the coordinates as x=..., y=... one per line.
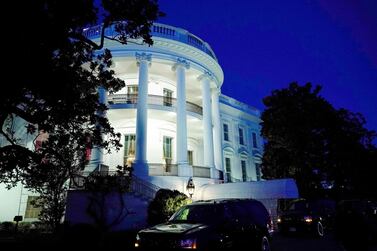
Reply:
x=169, y=150
x=241, y=136
x=254, y=139
x=226, y=132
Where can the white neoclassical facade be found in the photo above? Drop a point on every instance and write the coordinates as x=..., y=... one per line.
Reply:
x=174, y=121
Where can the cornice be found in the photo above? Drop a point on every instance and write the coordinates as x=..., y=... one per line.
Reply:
x=170, y=50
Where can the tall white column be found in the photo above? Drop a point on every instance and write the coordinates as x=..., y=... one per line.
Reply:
x=183, y=167
x=207, y=120
x=141, y=167
x=217, y=137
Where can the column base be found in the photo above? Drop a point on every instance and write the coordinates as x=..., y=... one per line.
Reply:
x=140, y=169
x=215, y=174
x=185, y=170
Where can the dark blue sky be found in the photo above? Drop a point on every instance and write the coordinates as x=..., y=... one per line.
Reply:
x=265, y=45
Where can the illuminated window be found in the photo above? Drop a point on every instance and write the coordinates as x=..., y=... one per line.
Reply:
x=168, y=97
x=132, y=91
x=167, y=147
x=129, y=148
x=31, y=210
x=190, y=157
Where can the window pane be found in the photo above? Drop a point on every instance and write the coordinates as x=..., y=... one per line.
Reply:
x=132, y=91
x=257, y=169
x=226, y=132
x=255, y=145
x=190, y=157
x=227, y=165
x=31, y=211
x=167, y=147
x=168, y=97
x=129, y=149
x=243, y=167
x=240, y=133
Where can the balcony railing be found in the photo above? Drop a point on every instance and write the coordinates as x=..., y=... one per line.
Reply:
x=152, y=100
x=156, y=169
x=158, y=30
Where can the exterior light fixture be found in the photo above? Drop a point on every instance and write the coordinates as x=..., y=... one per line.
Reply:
x=190, y=187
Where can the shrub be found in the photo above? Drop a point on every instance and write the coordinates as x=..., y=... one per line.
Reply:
x=165, y=204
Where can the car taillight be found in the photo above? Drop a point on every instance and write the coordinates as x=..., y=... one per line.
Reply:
x=308, y=219
x=270, y=226
x=188, y=244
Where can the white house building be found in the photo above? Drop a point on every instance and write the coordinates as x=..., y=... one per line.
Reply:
x=174, y=121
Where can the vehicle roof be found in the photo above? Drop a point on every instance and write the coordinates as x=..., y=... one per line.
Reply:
x=219, y=201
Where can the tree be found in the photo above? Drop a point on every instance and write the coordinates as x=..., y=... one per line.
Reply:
x=106, y=204
x=312, y=142
x=54, y=89
x=165, y=204
x=54, y=92
x=61, y=157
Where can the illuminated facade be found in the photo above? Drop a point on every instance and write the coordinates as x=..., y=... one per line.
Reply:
x=174, y=121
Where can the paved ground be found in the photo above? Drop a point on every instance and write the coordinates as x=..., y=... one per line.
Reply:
x=307, y=243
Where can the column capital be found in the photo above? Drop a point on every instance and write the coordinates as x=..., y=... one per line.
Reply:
x=143, y=57
x=206, y=75
x=216, y=90
x=181, y=63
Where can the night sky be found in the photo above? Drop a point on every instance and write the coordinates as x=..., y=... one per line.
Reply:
x=265, y=45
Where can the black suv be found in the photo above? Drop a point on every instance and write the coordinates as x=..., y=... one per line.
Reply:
x=307, y=216
x=356, y=223
x=211, y=225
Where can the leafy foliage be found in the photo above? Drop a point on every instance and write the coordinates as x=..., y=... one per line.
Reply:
x=55, y=90
x=314, y=143
x=106, y=192
x=165, y=204
x=56, y=73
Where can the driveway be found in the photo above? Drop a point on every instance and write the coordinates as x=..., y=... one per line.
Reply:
x=307, y=243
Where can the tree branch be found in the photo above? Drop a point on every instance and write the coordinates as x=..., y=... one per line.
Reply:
x=86, y=40
x=7, y=137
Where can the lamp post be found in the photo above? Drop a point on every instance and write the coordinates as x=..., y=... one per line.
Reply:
x=190, y=187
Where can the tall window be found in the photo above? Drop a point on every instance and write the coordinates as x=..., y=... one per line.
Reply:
x=241, y=136
x=132, y=91
x=258, y=172
x=167, y=147
x=190, y=158
x=228, y=170
x=255, y=143
x=226, y=132
x=168, y=97
x=129, y=148
x=31, y=211
x=243, y=168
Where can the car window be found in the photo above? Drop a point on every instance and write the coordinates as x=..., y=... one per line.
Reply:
x=198, y=214
x=257, y=212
